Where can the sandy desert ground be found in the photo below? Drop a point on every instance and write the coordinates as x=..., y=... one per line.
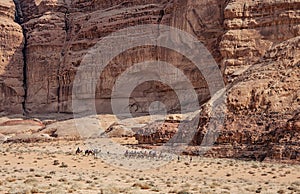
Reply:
x=53, y=167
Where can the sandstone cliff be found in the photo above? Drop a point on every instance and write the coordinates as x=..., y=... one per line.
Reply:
x=263, y=108
x=59, y=34
x=11, y=60
x=253, y=27
x=261, y=114
x=255, y=43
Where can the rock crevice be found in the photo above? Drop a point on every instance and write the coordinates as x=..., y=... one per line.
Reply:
x=19, y=20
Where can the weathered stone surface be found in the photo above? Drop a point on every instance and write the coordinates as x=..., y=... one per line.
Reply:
x=294, y=123
x=13, y=127
x=252, y=28
x=272, y=85
x=28, y=138
x=62, y=130
x=59, y=33
x=44, y=26
x=118, y=130
x=261, y=115
x=156, y=133
x=263, y=106
x=11, y=60
x=3, y=138
x=252, y=41
x=22, y=122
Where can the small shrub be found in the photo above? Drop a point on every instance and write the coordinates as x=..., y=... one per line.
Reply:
x=141, y=185
x=63, y=165
x=55, y=162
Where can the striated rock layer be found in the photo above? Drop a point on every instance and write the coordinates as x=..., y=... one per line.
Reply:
x=60, y=33
x=263, y=109
x=261, y=115
x=255, y=43
x=253, y=27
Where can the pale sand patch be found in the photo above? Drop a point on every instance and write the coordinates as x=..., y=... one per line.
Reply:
x=53, y=167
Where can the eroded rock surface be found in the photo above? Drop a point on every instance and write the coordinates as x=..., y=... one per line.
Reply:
x=60, y=33
x=252, y=28
x=263, y=108
x=261, y=115
x=11, y=60
x=255, y=43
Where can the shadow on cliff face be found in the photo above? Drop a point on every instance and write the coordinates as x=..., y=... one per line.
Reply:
x=150, y=91
x=49, y=77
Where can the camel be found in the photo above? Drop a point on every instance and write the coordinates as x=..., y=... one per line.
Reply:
x=78, y=151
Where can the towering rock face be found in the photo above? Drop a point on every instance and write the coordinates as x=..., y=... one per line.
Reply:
x=253, y=27
x=44, y=27
x=11, y=60
x=60, y=33
x=255, y=43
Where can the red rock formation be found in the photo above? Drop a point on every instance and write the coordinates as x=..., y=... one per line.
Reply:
x=253, y=42
x=118, y=130
x=59, y=34
x=253, y=27
x=262, y=114
x=11, y=60
x=156, y=133
x=263, y=108
x=22, y=122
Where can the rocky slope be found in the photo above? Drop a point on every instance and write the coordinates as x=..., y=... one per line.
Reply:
x=263, y=107
x=261, y=114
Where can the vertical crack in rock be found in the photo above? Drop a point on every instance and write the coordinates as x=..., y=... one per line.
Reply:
x=24, y=72
x=223, y=5
x=19, y=20
x=161, y=15
x=60, y=78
